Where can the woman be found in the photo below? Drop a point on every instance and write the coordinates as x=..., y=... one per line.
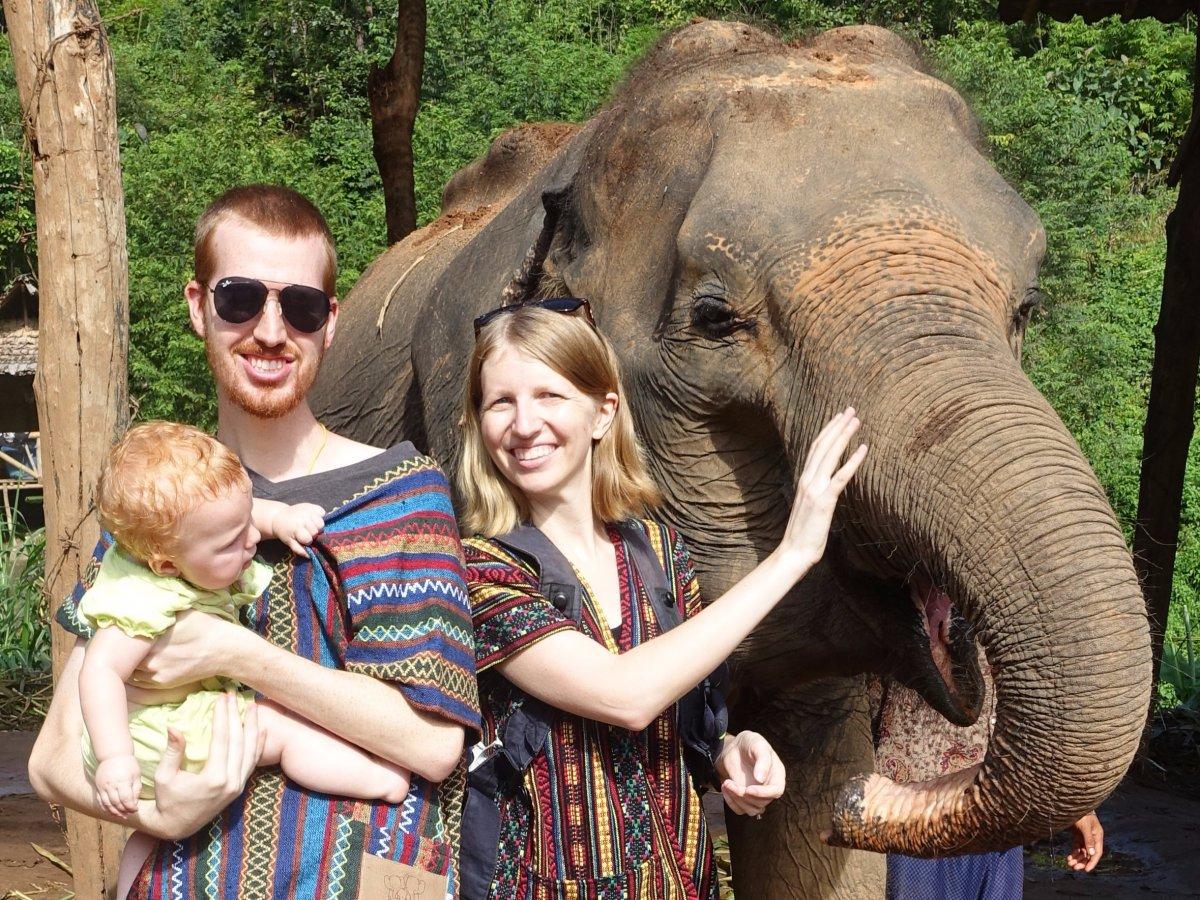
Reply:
x=600, y=804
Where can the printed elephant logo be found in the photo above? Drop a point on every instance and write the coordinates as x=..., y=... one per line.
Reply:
x=404, y=887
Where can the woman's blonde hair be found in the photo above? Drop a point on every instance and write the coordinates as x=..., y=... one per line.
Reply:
x=572, y=347
x=157, y=474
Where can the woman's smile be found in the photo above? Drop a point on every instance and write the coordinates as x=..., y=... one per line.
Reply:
x=532, y=457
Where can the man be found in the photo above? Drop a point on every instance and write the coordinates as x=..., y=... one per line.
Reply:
x=368, y=635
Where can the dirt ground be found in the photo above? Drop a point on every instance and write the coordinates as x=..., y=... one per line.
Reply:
x=1152, y=848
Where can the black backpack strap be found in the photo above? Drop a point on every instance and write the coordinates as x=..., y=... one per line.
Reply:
x=703, y=717
x=556, y=579
x=652, y=574
x=523, y=735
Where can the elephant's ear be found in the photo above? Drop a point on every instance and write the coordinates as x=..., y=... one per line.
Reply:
x=527, y=279
x=611, y=219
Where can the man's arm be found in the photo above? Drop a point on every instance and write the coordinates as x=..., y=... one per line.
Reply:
x=184, y=802
x=369, y=713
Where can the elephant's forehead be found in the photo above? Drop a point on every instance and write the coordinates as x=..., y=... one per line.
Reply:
x=890, y=152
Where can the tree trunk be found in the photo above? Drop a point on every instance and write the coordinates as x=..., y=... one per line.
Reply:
x=65, y=83
x=394, y=92
x=1169, y=415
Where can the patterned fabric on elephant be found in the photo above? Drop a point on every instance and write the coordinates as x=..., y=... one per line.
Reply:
x=914, y=742
x=602, y=812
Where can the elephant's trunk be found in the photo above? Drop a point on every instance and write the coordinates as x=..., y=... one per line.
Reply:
x=984, y=488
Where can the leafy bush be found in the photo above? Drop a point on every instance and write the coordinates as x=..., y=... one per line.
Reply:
x=24, y=637
x=1081, y=118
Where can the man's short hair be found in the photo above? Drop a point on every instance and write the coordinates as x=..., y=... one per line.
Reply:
x=157, y=474
x=277, y=210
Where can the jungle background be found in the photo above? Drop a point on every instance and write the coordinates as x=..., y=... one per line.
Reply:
x=1083, y=119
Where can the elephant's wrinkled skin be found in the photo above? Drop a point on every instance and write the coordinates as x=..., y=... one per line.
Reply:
x=768, y=233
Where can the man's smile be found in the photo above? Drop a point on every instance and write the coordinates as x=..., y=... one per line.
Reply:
x=266, y=369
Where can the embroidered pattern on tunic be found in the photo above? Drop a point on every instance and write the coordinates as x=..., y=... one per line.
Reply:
x=381, y=592
x=602, y=812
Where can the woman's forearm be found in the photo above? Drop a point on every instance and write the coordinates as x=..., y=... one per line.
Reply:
x=574, y=673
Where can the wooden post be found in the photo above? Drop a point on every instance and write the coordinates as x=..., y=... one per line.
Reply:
x=394, y=92
x=1171, y=409
x=65, y=83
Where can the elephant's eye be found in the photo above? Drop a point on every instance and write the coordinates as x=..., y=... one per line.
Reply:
x=1033, y=299
x=714, y=317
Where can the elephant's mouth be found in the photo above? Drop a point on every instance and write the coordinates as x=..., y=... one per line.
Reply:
x=930, y=645
x=943, y=667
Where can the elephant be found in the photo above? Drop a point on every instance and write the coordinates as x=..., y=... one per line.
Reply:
x=768, y=232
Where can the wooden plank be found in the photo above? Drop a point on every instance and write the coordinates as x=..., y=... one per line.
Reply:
x=66, y=89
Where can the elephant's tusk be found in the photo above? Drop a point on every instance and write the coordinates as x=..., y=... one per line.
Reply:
x=395, y=287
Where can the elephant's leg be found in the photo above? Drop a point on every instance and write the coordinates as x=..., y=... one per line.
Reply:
x=822, y=732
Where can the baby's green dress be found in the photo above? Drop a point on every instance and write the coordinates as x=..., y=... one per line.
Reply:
x=128, y=595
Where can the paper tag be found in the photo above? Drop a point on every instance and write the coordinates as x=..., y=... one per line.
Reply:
x=383, y=879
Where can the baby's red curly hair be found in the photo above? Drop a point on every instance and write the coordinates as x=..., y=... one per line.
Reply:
x=154, y=476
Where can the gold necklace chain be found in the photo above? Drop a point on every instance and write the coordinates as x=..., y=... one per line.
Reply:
x=324, y=440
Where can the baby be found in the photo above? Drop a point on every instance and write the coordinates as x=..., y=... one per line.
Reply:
x=178, y=504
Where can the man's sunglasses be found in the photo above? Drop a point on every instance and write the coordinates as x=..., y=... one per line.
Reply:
x=566, y=305
x=239, y=300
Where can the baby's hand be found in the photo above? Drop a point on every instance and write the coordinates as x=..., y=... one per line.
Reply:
x=118, y=782
x=297, y=525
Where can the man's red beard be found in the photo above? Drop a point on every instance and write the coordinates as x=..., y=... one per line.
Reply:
x=263, y=402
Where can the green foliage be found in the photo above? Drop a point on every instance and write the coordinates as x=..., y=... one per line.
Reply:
x=24, y=639
x=1081, y=118
x=17, y=226
x=1180, y=665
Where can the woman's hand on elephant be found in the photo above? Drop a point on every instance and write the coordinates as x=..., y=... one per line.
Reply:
x=751, y=772
x=1088, y=836
x=196, y=647
x=820, y=484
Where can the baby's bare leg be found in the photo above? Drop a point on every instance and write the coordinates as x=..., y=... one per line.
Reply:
x=137, y=848
x=323, y=762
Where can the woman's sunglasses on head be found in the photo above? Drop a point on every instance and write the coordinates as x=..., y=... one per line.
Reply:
x=239, y=300
x=565, y=305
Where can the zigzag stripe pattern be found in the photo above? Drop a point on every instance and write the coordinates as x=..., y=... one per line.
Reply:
x=265, y=796
x=213, y=869
x=177, y=873
x=384, y=633
x=390, y=590
x=341, y=853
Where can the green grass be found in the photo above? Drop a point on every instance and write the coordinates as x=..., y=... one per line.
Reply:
x=1180, y=674
x=24, y=626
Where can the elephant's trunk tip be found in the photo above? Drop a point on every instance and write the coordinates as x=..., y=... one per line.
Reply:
x=873, y=812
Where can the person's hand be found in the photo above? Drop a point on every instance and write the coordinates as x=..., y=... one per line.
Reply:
x=297, y=525
x=1088, y=836
x=184, y=801
x=118, y=781
x=752, y=774
x=821, y=483
x=197, y=646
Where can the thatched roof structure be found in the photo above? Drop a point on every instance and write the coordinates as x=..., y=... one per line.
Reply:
x=18, y=327
x=18, y=348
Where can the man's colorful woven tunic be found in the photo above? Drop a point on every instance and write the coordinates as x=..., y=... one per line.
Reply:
x=381, y=592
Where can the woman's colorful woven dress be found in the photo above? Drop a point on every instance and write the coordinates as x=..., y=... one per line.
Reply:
x=602, y=812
